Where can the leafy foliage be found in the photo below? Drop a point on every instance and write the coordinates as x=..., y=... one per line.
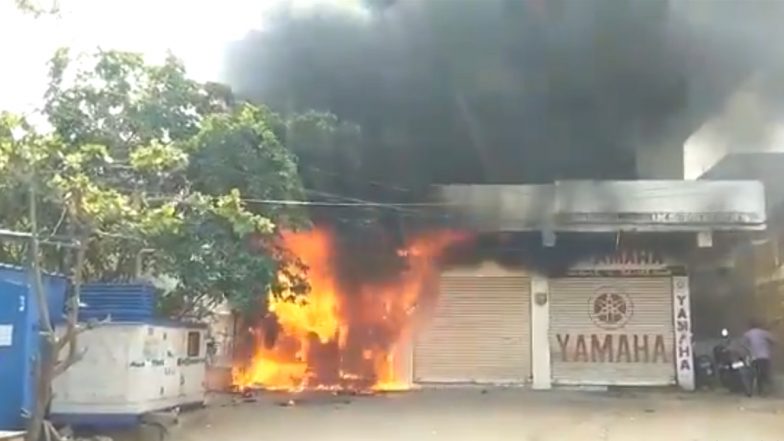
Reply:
x=38, y=8
x=241, y=150
x=142, y=158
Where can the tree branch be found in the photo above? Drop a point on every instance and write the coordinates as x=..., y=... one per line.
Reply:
x=35, y=260
x=73, y=358
x=58, y=224
x=51, y=432
x=78, y=329
x=72, y=316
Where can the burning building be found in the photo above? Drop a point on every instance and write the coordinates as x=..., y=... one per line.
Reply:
x=340, y=334
x=585, y=283
x=603, y=296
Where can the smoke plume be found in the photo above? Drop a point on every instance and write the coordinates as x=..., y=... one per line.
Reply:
x=509, y=91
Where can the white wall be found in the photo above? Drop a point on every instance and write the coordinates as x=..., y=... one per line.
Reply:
x=752, y=121
x=540, y=334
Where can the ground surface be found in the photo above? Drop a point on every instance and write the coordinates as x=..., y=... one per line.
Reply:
x=494, y=414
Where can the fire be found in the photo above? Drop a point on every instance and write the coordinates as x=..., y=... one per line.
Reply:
x=335, y=336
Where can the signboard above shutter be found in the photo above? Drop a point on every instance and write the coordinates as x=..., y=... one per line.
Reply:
x=626, y=262
x=714, y=204
x=593, y=206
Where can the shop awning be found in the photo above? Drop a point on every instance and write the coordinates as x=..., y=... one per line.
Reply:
x=606, y=206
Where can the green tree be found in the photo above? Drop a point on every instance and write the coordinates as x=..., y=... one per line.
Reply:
x=38, y=165
x=142, y=159
x=38, y=7
x=177, y=149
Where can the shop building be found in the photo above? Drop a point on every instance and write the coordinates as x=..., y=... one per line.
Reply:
x=618, y=315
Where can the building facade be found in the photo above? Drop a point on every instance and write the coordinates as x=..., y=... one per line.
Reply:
x=614, y=316
x=620, y=319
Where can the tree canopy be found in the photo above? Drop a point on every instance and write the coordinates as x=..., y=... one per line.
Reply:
x=142, y=161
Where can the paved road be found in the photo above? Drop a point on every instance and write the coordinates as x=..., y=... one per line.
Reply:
x=495, y=414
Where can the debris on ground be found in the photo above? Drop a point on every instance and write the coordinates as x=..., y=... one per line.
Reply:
x=162, y=418
x=66, y=432
x=247, y=396
x=289, y=403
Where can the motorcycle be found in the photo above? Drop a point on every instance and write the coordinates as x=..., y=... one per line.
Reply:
x=704, y=372
x=733, y=367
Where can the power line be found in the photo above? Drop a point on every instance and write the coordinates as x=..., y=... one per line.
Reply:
x=306, y=203
x=408, y=208
x=294, y=202
x=357, y=200
x=342, y=176
x=411, y=207
x=356, y=179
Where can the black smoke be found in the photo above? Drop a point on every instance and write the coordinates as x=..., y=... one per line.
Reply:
x=506, y=91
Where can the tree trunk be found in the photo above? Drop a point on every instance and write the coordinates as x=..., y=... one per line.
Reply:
x=44, y=376
x=48, y=365
x=45, y=360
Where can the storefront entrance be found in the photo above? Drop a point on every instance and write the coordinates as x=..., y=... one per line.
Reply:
x=479, y=331
x=612, y=331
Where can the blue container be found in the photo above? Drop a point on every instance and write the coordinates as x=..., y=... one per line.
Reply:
x=54, y=284
x=19, y=340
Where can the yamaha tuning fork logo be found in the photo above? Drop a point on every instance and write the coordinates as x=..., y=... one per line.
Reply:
x=610, y=307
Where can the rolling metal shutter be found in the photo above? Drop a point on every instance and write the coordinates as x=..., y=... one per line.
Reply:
x=612, y=331
x=479, y=331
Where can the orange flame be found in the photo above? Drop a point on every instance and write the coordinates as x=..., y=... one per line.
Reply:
x=333, y=339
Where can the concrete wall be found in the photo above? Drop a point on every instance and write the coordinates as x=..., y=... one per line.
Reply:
x=221, y=331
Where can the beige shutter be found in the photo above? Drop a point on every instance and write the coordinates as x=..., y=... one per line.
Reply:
x=479, y=331
x=612, y=331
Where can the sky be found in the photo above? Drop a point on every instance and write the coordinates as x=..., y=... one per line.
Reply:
x=197, y=31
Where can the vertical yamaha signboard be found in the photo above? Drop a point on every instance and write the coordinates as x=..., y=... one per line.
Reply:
x=611, y=322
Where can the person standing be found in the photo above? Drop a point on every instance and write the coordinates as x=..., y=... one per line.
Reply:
x=760, y=344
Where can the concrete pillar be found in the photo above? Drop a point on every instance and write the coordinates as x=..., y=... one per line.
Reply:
x=540, y=327
x=684, y=360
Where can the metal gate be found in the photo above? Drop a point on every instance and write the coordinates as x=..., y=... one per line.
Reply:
x=612, y=331
x=479, y=331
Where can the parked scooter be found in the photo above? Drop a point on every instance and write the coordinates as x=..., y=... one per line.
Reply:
x=704, y=372
x=733, y=366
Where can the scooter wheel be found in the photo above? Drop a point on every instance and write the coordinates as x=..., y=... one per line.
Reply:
x=747, y=380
